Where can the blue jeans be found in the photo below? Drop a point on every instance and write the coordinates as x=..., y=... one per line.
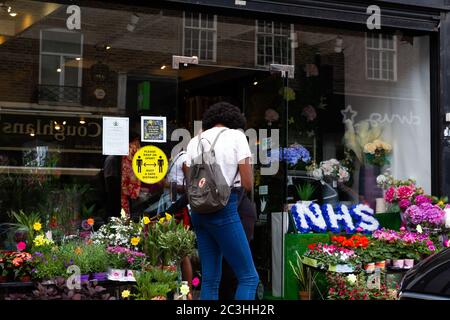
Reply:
x=219, y=235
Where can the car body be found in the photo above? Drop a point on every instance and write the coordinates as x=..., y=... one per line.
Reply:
x=429, y=279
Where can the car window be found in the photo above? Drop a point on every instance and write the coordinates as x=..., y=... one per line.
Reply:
x=436, y=281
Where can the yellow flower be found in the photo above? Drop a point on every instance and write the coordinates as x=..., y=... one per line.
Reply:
x=168, y=217
x=370, y=148
x=440, y=203
x=125, y=294
x=41, y=240
x=161, y=221
x=78, y=250
x=146, y=220
x=135, y=241
x=184, y=289
x=37, y=226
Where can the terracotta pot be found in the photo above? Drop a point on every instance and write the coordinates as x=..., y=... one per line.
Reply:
x=304, y=295
x=370, y=267
x=380, y=265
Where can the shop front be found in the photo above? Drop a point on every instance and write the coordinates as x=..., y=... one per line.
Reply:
x=330, y=103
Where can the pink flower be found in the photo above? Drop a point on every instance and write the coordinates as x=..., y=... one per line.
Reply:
x=447, y=243
x=359, y=229
x=390, y=195
x=402, y=229
x=422, y=199
x=405, y=192
x=432, y=248
x=404, y=203
x=21, y=246
x=310, y=113
x=195, y=282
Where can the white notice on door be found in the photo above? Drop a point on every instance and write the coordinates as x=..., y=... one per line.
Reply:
x=115, y=136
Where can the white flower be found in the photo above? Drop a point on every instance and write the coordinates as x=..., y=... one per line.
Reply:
x=317, y=173
x=351, y=278
x=419, y=228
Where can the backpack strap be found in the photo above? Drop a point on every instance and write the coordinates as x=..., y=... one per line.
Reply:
x=217, y=138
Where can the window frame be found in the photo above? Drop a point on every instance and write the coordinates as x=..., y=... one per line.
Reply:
x=200, y=29
x=380, y=50
x=292, y=50
x=61, y=57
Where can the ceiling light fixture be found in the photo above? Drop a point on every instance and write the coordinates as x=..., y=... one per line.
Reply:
x=78, y=58
x=58, y=70
x=82, y=121
x=255, y=83
x=7, y=8
x=163, y=67
x=108, y=47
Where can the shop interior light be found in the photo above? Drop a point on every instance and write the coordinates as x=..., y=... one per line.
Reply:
x=82, y=121
x=64, y=123
x=5, y=7
x=163, y=67
x=57, y=127
x=108, y=47
x=78, y=58
x=58, y=70
x=255, y=83
x=32, y=134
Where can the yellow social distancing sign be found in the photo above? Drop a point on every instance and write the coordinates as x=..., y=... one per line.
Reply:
x=150, y=164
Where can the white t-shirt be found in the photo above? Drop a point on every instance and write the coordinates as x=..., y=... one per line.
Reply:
x=231, y=147
x=176, y=173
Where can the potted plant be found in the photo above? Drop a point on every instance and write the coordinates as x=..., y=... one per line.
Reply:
x=305, y=192
x=300, y=273
x=98, y=259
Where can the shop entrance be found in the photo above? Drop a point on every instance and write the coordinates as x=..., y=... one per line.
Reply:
x=263, y=97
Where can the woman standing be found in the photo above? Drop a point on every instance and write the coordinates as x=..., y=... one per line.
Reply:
x=221, y=234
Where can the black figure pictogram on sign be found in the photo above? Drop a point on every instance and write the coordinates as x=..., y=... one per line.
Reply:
x=160, y=164
x=139, y=164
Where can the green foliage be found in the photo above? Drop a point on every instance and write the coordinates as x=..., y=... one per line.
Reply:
x=148, y=286
x=306, y=191
x=300, y=273
x=24, y=223
x=176, y=244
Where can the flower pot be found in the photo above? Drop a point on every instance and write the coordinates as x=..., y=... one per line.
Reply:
x=398, y=263
x=116, y=274
x=303, y=295
x=380, y=265
x=84, y=278
x=409, y=263
x=129, y=275
x=100, y=276
x=369, y=267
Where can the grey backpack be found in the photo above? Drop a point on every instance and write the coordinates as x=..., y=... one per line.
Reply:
x=207, y=189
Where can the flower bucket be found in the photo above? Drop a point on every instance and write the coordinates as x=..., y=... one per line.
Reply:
x=116, y=274
x=409, y=263
x=380, y=265
x=398, y=263
x=100, y=276
x=369, y=267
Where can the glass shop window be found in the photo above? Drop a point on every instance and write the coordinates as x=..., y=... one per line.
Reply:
x=273, y=43
x=381, y=52
x=200, y=35
x=60, y=66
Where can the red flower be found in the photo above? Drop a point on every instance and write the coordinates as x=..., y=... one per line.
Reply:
x=312, y=246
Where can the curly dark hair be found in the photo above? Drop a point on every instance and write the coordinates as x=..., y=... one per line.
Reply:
x=223, y=113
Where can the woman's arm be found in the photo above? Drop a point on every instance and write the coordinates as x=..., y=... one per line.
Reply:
x=246, y=172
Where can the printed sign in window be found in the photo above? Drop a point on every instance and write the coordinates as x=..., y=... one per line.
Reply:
x=153, y=129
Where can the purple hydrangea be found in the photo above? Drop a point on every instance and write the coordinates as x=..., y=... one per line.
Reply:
x=426, y=213
x=420, y=199
x=296, y=153
x=404, y=203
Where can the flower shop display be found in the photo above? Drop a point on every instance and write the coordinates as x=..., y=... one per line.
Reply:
x=314, y=218
x=425, y=214
x=354, y=287
x=118, y=232
x=377, y=152
x=330, y=170
x=15, y=265
x=331, y=257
